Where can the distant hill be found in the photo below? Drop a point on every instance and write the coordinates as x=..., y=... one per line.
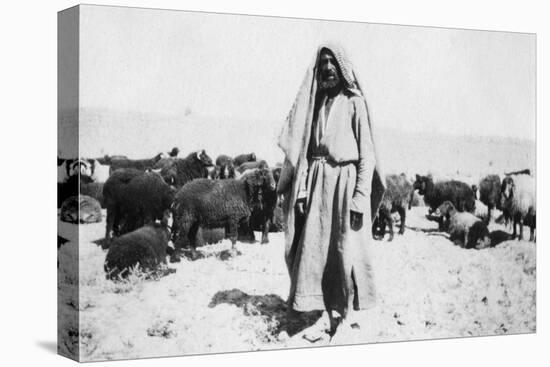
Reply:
x=144, y=135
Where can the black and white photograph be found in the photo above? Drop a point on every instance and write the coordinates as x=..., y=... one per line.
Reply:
x=234, y=183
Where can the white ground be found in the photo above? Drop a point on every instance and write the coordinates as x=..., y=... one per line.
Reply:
x=427, y=288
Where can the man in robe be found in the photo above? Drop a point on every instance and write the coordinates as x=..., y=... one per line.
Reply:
x=332, y=189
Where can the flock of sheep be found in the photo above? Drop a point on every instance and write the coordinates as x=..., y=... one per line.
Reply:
x=458, y=207
x=192, y=200
x=206, y=201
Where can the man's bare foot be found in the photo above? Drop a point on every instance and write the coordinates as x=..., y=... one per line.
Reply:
x=319, y=330
x=344, y=333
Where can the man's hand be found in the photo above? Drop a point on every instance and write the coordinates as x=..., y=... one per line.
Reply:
x=300, y=207
x=356, y=220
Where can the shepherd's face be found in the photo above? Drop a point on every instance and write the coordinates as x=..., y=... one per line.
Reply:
x=329, y=74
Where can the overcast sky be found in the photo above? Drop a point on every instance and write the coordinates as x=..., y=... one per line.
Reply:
x=246, y=68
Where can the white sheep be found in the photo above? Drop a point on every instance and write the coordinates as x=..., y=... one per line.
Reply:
x=518, y=198
x=465, y=229
x=482, y=211
x=100, y=171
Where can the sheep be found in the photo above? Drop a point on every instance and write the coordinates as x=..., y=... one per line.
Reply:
x=100, y=172
x=114, y=193
x=464, y=228
x=241, y=158
x=174, y=152
x=526, y=171
x=145, y=248
x=80, y=209
x=397, y=198
x=482, y=211
x=517, y=197
x=458, y=193
x=267, y=217
x=262, y=213
x=212, y=204
x=251, y=165
x=108, y=159
x=134, y=198
x=140, y=164
x=222, y=159
x=489, y=193
x=225, y=167
x=226, y=170
x=177, y=171
x=214, y=173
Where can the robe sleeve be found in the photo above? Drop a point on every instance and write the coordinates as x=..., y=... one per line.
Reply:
x=366, y=162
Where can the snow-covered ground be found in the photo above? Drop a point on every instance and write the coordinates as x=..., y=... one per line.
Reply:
x=427, y=288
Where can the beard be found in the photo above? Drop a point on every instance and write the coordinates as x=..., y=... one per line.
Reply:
x=325, y=83
x=328, y=84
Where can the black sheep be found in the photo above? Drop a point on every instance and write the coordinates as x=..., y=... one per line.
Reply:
x=134, y=198
x=223, y=159
x=114, y=194
x=139, y=164
x=145, y=247
x=458, y=193
x=252, y=165
x=213, y=204
x=241, y=158
x=489, y=193
x=225, y=167
x=177, y=171
x=226, y=170
x=525, y=171
x=262, y=215
x=397, y=198
x=174, y=152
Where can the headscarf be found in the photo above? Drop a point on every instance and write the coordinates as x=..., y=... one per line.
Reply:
x=294, y=136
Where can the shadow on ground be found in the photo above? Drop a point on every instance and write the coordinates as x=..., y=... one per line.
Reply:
x=49, y=346
x=434, y=231
x=271, y=306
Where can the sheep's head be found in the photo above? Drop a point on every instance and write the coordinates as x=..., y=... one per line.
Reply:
x=80, y=166
x=258, y=182
x=204, y=158
x=158, y=157
x=506, y=190
x=169, y=175
x=446, y=209
x=421, y=183
x=174, y=152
